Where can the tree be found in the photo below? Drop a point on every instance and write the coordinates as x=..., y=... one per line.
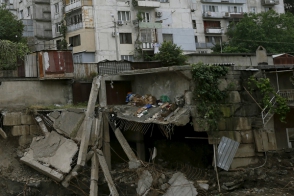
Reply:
x=170, y=54
x=273, y=31
x=289, y=6
x=10, y=52
x=10, y=28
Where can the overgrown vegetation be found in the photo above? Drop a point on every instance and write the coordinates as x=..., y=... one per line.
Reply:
x=207, y=94
x=10, y=52
x=272, y=30
x=63, y=30
x=267, y=91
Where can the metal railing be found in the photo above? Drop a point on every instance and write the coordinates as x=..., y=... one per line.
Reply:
x=267, y=110
x=288, y=94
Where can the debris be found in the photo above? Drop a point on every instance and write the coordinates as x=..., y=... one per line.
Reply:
x=94, y=175
x=3, y=134
x=204, y=186
x=144, y=183
x=180, y=186
x=226, y=152
x=42, y=125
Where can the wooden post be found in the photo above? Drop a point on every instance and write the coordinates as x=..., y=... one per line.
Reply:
x=94, y=176
x=106, y=142
x=88, y=121
x=106, y=172
x=74, y=171
x=125, y=145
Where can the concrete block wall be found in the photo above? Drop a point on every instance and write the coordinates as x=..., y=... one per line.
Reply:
x=21, y=125
x=238, y=110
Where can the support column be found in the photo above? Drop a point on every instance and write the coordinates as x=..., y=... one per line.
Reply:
x=106, y=142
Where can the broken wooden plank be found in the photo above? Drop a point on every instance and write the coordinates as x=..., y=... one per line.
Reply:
x=134, y=162
x=3, y=134
x=94, y=176
x=42, y=125
x=88, y=120
x=74, y=171
x=106, y=172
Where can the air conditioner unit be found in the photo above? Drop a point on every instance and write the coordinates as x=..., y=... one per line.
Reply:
x=208, y=13
x=227, y=14
x=120, y=22
x=158, y=14
x=113, y=34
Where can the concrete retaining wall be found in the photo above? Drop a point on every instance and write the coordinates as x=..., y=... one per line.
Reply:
x=15, y=94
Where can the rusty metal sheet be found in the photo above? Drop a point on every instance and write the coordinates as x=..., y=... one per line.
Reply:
x=226, y=152
x=40, y=65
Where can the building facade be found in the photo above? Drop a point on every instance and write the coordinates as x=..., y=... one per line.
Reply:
x=132, y=29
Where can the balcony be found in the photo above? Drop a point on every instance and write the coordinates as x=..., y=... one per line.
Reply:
x=74, y=27
x=269, y=2
x=77, y=4
x=150, y=4
x=225, y=1
x=212, y=15
x=213, y=30
x=288, y=94
x=200, y=45
x=147, y=46
x=150, y=25
x=233, y=16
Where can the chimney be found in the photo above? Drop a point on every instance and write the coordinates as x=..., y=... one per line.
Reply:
x=261, y=56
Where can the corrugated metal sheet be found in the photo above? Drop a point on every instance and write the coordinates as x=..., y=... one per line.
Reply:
x=113, y=67
x=226, y=152
x=145, y=65
x=284, y=59
x=85, y=70
x=31, y=68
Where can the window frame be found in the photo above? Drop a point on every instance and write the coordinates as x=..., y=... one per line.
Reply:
x=74, y=42
x=21, y=14
x=29, y=10
x=168, y=34
x=146, y=17
x=210, y=8
x=56, y=6
x=57, y=27
x=125, y=38
x=126, y=14
x=127, y=57
x=194, y=25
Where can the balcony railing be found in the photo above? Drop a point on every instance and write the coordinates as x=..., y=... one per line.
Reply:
x=151, y=4
x=74, y=27
x=213, y=30
x=77, y=4
x=270, y=2
x=288, y=94
x=225, y=1
x=200, y=45
x=213, y=15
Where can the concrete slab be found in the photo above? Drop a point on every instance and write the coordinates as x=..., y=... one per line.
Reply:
x=25, y=140
x=35, y=130
x=27, y=119
x=20, y=130
x=144, y=183
x=12, y=119
x=29, y=160
x=69, y=123
x=55, y=150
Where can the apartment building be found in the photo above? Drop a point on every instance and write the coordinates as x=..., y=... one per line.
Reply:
x=132, y=29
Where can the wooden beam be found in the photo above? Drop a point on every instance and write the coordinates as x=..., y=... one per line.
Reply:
x=106, y=172
x=88, y=120
x=94, y=176
x=106, y=141
x=74, y=171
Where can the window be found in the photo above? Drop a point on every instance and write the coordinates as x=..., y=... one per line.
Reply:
x=56, y=5
x=235, y=9
x=145, y=16
x=29, y=11
x=58, y=44
x=127, y=57
x=123, y=15
x=74, y=19
x=146, y=35
x=125, y=38
x=73, y=1
x=210, y=8
x=253, y=10
x=196, y=39
x=267, y=9
x=21, y=14
x=57, y=26
x=194, y=24
x=213, y=39
x=75, y=40
x=163, y=1
x=167, y=37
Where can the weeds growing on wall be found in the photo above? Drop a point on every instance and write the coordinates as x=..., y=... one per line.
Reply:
x=208, y=95
x=267, y=91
